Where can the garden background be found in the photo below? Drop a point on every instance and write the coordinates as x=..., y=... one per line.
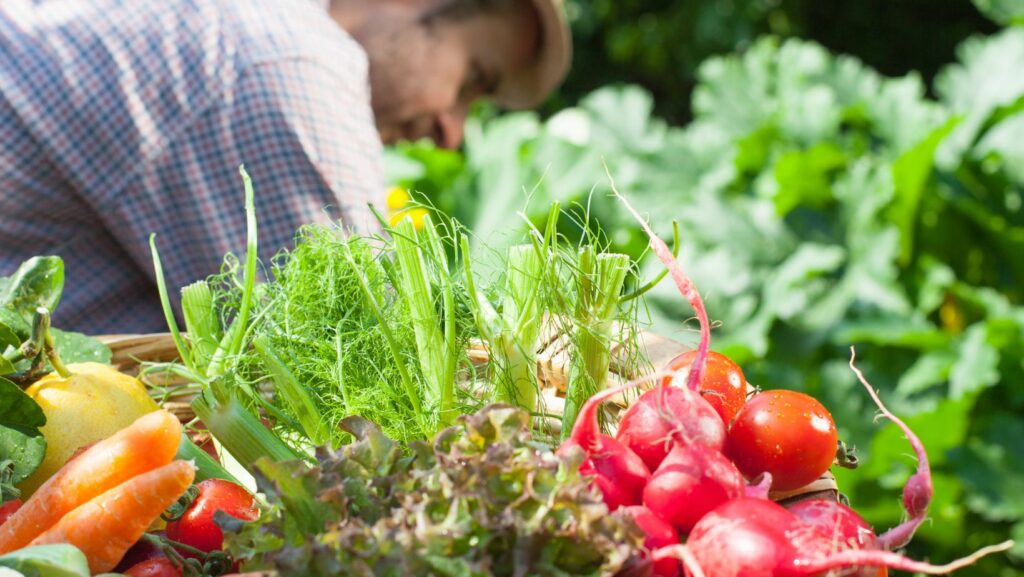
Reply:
x=843, y=174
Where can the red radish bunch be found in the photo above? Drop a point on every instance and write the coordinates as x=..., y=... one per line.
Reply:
x=686, y=449
x=614, y=468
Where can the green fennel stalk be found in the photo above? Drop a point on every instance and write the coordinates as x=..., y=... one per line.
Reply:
x=599, y=282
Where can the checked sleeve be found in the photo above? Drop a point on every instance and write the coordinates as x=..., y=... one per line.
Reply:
x=306, y=136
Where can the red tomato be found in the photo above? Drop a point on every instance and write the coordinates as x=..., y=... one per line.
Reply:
x=785, y=433
x=8, y=509
x=724, y=386
x=196, y=527
x=155, y=567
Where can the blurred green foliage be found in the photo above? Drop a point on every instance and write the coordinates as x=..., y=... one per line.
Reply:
x=822, y=205
x=659, y=44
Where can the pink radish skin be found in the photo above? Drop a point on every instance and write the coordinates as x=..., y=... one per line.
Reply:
x=757, y=538
x=761, y=488
x=917, y=492
x=659, y=535
x=691, y=481
x=616, y=470
x=839, y=528
x=666, y=415
x=743, y=538
x=619, y=474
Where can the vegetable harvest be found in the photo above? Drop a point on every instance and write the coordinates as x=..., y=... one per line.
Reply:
x=379, y=446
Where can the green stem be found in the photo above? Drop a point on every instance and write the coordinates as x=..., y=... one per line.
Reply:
x=415, y=288
x=294, y=393
x=654, y=282
x=165, y=303
x=599, y=284
x=522, y=313
x=43, y=338
x=206, y=466
x=251, y=253
x=241, y=432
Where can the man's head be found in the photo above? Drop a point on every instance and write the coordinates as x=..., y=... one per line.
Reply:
x=430, y=59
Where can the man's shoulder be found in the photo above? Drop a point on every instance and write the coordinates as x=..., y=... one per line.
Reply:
x=269, y=31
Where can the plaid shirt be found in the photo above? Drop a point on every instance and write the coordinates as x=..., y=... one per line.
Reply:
x=120, y=118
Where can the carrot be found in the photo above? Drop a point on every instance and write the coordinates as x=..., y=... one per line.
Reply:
x=108, y=525
x=148, y=443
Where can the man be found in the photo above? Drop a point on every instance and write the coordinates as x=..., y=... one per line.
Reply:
x=119, y=118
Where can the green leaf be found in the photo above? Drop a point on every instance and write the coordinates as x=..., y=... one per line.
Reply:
x=78, y=348
x=38, y=282
x=797, y=282
x=805, y=177
x=295, y=487
x=22, y=446
x=930, y=370
x=47, y=561
x=754, y=149
x=8, y=338
x=17, y=408
x=6, y=367
x=911, y=332
x=1002, y=147
x=910, y=173
x=991, y=466
x=1002, y=11
x=22, y=449
x=986, y=78
x=977, y=365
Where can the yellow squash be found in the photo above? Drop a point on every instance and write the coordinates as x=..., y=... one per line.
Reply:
x=93, y=403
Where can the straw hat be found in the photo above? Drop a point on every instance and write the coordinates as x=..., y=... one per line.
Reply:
x=530, y=86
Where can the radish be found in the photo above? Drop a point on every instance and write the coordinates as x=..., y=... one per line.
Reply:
x=659, y=534
x=917, y=492
x=665, y=416
x=743, y=538
x=839, y=528
x=616, y=470
x=691, y=481
x=686, y=288
x=757, y=538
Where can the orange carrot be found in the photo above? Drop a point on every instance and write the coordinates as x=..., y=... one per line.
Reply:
x=148, y=443
x=108, y=525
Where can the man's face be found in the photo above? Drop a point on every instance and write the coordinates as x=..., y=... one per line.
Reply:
x=425, y=73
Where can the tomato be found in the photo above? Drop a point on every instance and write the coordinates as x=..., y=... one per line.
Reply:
x=724, y=386
x=196, y=527
x=785, y=433
x=8, y=509
x=155, y=567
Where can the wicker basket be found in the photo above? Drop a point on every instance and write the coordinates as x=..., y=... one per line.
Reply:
x=552, y=374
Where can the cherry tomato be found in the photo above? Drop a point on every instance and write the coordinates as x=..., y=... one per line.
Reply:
x=724, y=386
x=155, y=567
x=8, y=509
x=197, y=528
x=785, y=433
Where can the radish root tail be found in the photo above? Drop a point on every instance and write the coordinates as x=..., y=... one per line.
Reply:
x=684, y=284
x=683, y=554
x=917, y=493
x=869, y=557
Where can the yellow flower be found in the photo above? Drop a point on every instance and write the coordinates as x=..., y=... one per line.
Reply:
x=416, y=214
x=398, y=197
